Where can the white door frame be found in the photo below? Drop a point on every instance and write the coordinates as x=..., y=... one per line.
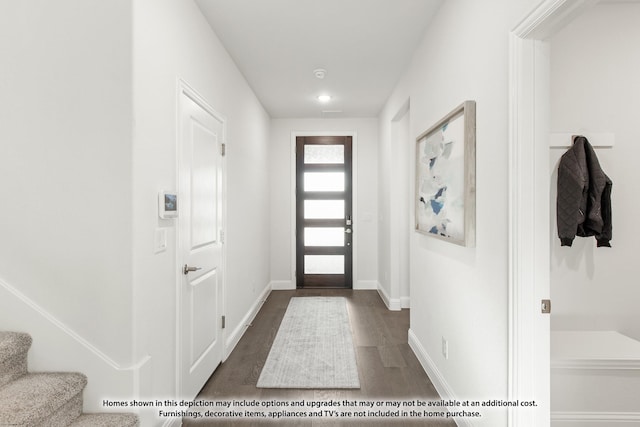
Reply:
x=184, y=89
x=400, y=197
x=529, y=207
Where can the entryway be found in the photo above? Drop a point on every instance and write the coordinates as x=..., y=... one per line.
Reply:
x=388, y=368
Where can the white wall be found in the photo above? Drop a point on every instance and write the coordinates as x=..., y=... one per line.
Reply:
x=88, y=137
x=282, y=197
x=173, y=40
x=597, y=89
x=461, y=293
x=65, y=167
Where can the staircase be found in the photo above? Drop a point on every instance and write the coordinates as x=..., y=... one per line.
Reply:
x=595, y=378
x=44, y=399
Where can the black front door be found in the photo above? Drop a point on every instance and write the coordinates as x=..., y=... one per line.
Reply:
x=324, y=221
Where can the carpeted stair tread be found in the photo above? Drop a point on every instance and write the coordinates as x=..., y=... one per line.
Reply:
x=30, y=399
x=106, y=420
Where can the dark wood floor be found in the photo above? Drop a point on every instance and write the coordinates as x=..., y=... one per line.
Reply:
x=387, y=367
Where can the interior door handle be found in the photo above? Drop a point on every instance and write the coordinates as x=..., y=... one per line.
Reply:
x=186, y=269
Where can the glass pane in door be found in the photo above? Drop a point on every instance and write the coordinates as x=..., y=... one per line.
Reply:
x=323, y=209
x=324, y=236
x=314, y=154
x=324, y=181
x=324, y=264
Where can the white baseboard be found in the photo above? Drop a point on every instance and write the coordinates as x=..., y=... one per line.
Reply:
x=365, y=285
x=233, y=339
x=405, y=302
x=595, y=419
x=392, y=304
x=282, y=285
x=441, y=385
x=288, y=285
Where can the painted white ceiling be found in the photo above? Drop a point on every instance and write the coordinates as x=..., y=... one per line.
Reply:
x=365, y=46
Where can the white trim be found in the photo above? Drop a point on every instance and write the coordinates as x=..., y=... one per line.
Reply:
x=238, y=332
x=366, y=285
x=521, y=377
x=609, y=417
x=71, y=333
x=405, y=302
x=549, y=17
x=597, y=364
x=400, y=199
x=402, y=111
x=392, y=304
x=529, y=366
x=292, y=189
x=354, y=194
x=170, y=422
x=282, y=285
x=437, y=378
x=182, y=87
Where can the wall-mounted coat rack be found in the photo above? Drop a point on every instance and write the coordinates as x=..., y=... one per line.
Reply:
x=596, y=139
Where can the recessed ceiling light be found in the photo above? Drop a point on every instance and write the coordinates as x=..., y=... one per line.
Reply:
x=324, y=98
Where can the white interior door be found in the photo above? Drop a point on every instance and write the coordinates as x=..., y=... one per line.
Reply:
x=200, y=259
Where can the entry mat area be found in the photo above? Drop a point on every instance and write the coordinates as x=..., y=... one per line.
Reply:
x=313, y=347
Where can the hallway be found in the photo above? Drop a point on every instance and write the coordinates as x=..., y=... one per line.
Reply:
x=93, y=269
x=388, y=368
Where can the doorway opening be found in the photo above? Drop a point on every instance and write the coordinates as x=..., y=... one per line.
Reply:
x=324, y=212
x=529, y=247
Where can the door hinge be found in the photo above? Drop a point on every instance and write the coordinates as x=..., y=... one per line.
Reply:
x=224, y=322
x=546, y=306
x=223, y=149
x=221, y=236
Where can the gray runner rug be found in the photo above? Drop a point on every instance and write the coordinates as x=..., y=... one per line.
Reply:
x=313, y=347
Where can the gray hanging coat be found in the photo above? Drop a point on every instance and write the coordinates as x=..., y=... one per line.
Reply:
x=584, y=196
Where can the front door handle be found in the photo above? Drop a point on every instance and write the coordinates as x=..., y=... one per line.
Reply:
x=186, y=269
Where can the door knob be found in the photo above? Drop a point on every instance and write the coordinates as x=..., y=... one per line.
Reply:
x=186, y=269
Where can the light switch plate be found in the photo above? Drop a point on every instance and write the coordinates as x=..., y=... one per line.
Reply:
x=160, y=240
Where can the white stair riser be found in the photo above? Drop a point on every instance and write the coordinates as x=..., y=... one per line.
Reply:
x=595, y=419
x=595, y=390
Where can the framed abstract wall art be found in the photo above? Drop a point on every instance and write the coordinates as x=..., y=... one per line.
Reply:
x=445, y=177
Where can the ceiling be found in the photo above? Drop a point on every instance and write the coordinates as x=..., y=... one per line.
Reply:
x=364, y=46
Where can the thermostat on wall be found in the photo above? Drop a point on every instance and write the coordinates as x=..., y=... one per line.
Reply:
x=167, y=205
